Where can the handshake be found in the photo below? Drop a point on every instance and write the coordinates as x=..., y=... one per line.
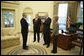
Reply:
x=43, y=20
x=28, y=30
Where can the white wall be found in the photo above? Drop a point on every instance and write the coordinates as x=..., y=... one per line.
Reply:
x=36, y=6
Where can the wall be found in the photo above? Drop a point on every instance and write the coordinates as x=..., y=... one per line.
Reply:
x=73, y=5
x=36, y=6
x=13, y=5
x=19, y=6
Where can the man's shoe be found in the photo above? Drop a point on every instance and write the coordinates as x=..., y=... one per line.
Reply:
x=44, y=44
x=33, y=41
x=53, y=51
x=27, y=46
x=38, y=41
x=48, y=46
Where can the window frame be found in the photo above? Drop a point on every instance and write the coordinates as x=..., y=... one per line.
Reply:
x=67, y=12
x=8, y=10
x=79, y=12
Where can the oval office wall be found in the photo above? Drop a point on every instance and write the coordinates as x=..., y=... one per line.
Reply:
x=13, y=35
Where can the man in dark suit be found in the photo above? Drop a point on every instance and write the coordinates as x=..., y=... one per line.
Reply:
x=24, y=30
x=36, y=27
x=46, y=30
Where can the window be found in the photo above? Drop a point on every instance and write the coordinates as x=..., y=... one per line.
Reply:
x=28, y=20
x=8, y=19
x=80, y=17
x=62, y=13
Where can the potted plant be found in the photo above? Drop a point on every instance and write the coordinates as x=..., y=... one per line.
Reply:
x=78, y=24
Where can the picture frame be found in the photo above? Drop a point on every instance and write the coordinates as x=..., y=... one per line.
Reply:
x=42, y=15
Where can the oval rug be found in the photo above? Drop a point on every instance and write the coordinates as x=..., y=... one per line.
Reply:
x=32, y=50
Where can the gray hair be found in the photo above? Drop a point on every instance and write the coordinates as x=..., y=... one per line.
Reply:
x=23, y=14
x=46, y=13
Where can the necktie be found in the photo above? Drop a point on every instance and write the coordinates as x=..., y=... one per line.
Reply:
x=36, y=20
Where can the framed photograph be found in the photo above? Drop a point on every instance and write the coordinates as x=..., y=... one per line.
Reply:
x=42, y=15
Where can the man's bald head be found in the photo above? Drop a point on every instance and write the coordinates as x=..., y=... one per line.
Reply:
x=46, y=15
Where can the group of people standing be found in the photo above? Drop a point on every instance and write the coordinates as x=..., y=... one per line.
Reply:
x=36, y=28
x=46, y=29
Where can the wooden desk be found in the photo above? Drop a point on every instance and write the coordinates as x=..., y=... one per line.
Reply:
x=64, y=41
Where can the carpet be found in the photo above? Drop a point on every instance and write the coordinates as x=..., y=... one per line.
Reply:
x=33, y=50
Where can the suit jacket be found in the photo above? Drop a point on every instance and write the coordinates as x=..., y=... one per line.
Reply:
x=46, y=25
x=55, y=29
x=24, y=25
x=36, y=26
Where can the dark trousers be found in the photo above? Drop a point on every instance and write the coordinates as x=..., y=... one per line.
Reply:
x=38, y=34
x=55, y=43
x=24, y=35
x=46, y=38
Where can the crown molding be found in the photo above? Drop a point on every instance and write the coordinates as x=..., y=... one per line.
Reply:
x=11, y=2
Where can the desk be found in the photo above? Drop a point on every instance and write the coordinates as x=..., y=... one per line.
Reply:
x=64, y=41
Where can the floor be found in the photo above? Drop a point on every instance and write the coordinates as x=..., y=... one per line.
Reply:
x=73, y=51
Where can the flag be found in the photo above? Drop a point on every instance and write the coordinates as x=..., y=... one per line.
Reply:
x=68, y=20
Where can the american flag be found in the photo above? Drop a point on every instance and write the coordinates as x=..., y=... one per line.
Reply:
x=68, y=20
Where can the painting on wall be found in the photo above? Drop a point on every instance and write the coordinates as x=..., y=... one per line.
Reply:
x=41, y=15
x=8, y=19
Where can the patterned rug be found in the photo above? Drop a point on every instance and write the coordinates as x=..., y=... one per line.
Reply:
x=33, y=50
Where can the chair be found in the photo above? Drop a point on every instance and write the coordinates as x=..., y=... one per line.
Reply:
x=78, y=41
